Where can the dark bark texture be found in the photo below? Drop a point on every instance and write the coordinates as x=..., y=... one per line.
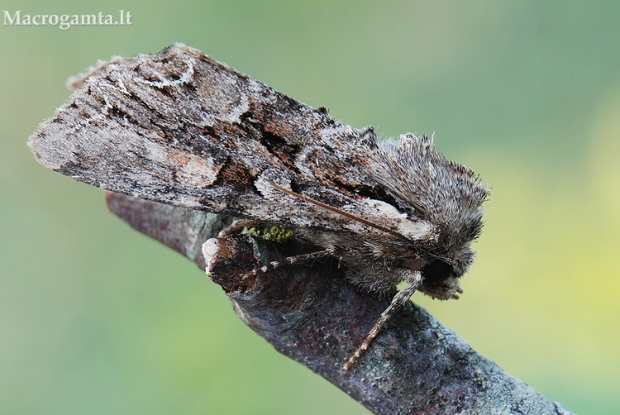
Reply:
x=311, y=314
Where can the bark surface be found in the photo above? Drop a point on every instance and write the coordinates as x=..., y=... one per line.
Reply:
x=312, y=315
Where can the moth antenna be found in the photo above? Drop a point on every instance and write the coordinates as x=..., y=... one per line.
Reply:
x=340, y=212
x=358, y=219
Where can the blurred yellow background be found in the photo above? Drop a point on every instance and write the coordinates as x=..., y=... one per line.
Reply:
x=98, y=319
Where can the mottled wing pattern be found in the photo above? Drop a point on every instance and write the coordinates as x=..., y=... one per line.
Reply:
x=181, y=128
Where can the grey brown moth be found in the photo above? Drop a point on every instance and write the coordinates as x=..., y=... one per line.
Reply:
x=181, y=128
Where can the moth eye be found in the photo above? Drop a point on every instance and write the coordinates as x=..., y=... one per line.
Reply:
x=437, y=270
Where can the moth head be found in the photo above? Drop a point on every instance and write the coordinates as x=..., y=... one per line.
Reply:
x=441, y=274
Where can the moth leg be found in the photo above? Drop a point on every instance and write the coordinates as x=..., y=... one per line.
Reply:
x=237, y=226
x=292, y=260
x=399, y=300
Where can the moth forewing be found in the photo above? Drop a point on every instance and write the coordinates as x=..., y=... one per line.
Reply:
x=181, y=128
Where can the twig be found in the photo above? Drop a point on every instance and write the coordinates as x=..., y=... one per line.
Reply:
x=312, y=315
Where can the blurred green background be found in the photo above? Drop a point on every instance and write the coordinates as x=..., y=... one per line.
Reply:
x=98, y=319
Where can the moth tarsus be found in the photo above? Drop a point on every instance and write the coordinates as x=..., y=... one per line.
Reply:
x=399, y=300
x=181, y=128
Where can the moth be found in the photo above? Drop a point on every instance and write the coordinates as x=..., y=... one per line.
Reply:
x=181, y=128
